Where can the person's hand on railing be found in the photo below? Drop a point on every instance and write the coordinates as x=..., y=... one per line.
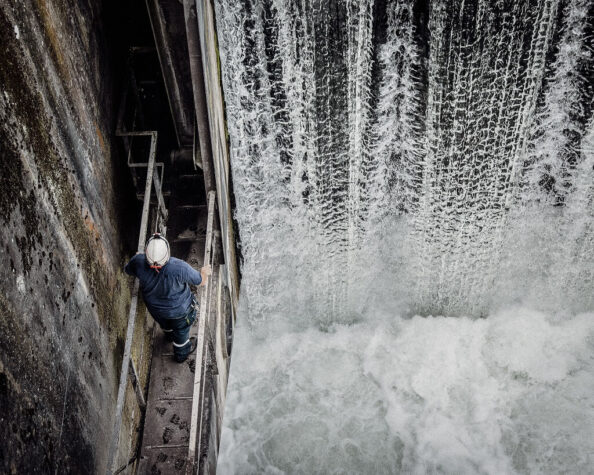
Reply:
x=205, y=272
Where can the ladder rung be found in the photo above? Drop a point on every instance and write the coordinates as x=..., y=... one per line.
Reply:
x=175, y=398
x=191, y=206
x=166, y=446
x=140, y=196
x=190, y=239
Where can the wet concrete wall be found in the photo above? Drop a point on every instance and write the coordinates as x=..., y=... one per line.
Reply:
x=66, y=212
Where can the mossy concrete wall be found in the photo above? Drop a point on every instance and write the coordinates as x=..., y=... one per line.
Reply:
x=65, y=210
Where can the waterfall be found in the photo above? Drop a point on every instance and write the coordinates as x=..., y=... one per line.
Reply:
x=400, y=158
x=484, y=77
x=343, y=117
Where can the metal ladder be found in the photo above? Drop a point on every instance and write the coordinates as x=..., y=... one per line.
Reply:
x=152, y=178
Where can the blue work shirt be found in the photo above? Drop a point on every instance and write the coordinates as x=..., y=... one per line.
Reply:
x=166, y=293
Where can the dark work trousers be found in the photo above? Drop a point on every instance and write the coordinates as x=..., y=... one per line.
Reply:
x=177, y=330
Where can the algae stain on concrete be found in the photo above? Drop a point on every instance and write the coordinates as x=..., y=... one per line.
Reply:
x=34, y=398
x=52, y=35
x=53, y=174
x=61, y=293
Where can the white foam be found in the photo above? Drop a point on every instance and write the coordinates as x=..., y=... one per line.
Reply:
x=509, y=394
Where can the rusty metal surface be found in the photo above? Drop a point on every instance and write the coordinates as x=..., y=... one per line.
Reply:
x=163, y=461
x=166, y=431
x=167, y=425
x=170, y=379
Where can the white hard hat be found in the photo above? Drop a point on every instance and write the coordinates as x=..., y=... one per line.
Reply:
x=157, y=251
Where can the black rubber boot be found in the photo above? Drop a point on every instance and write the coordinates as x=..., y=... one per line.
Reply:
x=193, y=344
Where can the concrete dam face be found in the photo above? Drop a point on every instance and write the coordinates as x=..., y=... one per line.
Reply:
x=64, y=209
x=411, y=186
x=415, y=198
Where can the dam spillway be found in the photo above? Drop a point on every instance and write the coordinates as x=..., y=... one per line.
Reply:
x=362, y=113
x=407, y=187
x=396, y=164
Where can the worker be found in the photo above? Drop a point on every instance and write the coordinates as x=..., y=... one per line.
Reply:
x=165, y=284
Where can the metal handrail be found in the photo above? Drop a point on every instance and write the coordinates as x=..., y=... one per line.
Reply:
x=202, y=348
x=127, y=362
x=122, y=132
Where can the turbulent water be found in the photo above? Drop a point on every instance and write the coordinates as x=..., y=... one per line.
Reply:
x=415, y=197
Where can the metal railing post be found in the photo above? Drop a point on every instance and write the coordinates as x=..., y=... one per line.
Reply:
x=113, y=448
x=201, y=349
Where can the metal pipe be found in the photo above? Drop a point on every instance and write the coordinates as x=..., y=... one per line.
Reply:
x=199, y=93
x=164, y=53
x=182, y=155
